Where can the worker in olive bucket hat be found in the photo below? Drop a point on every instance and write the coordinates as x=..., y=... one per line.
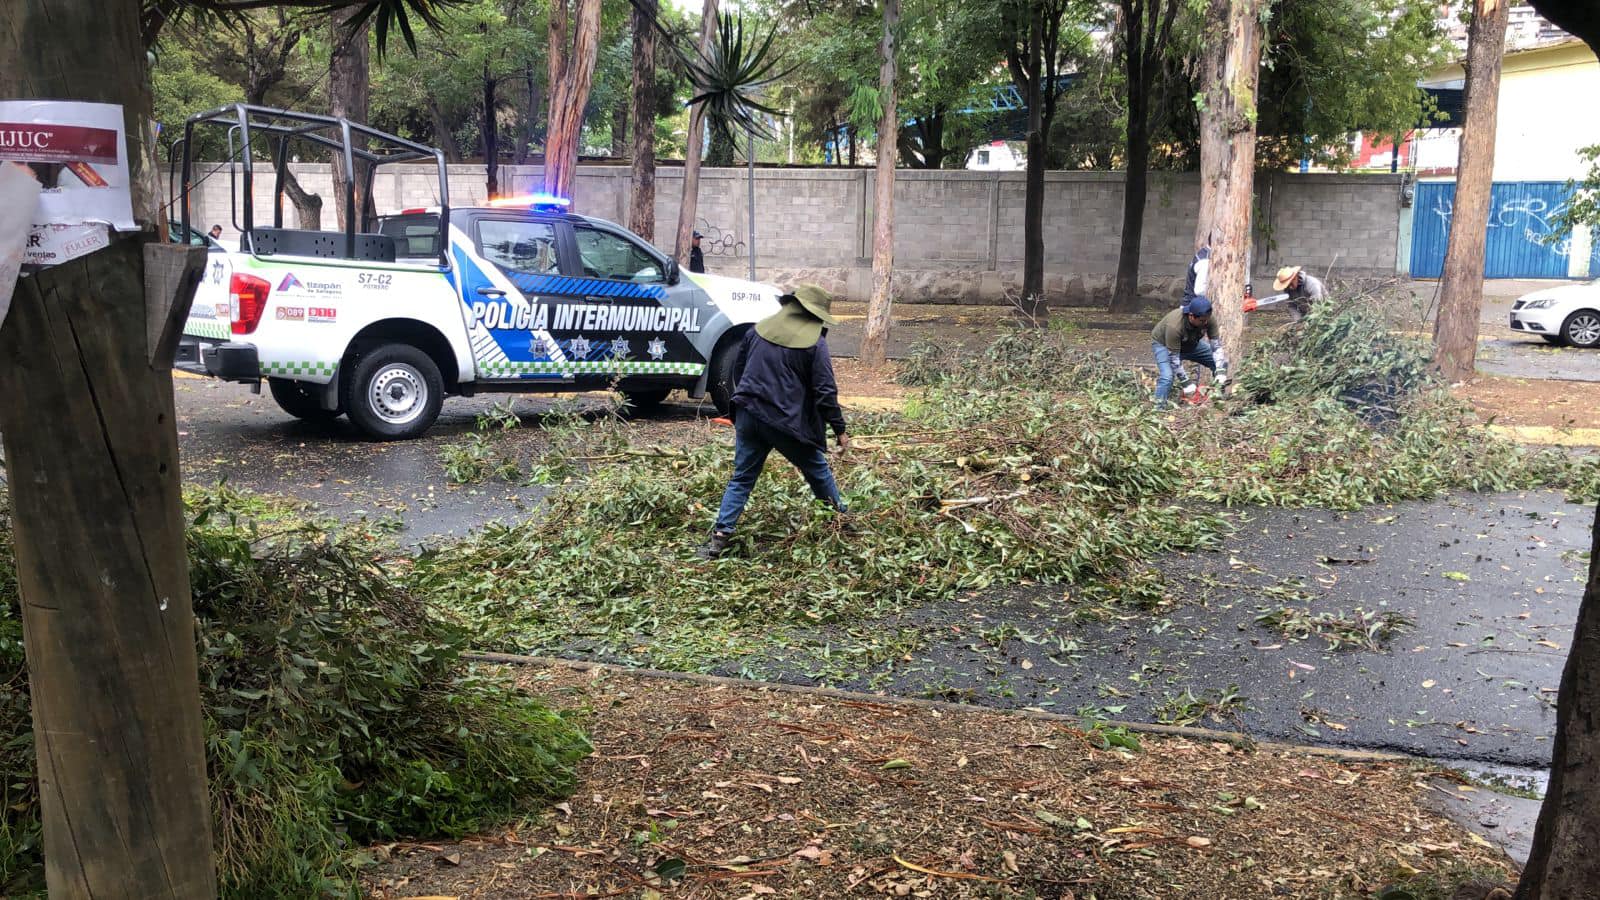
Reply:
x=784, y=395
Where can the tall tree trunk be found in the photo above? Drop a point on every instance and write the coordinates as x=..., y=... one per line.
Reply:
x=688, y=207
x=1146, y=25
x=92, y=452
x=571, y=74
x=1455, y=331
x=443, y=134
x=1563, y=864
x=348, y=97
x=642, y=204
x=875, y=343
x=307, y=206
x=619, y=128
x=528, y=120
x=1033, y=305
x=1232, y=69
x=491, y=134
x=720, y=152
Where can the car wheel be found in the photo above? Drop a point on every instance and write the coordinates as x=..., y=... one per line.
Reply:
x=719, y=381
x=394, y=392
x=300, y=399
x=643, y=401
x=1582, y=328
x=1553, y=339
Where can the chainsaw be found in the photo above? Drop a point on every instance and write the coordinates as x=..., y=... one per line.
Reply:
x=1251, y=304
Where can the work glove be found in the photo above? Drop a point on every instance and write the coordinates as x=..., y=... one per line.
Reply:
x=1190, y=389
x=1222, y=376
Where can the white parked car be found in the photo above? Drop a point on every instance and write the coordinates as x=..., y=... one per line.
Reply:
x=1569, y=314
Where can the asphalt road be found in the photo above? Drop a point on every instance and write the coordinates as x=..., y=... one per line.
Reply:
x=1491, y=582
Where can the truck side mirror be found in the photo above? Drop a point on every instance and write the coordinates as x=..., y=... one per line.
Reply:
x=674, y=272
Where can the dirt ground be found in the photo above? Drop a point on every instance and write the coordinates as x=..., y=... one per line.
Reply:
x=1535, y=402
x=700, y=791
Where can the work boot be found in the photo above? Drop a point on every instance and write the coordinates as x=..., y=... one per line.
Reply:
x=714, y=546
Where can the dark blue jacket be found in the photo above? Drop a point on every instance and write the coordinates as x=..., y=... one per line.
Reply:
x=788, y=389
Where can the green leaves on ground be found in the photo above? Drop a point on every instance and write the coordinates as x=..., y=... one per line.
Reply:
x=1024, y=461
x=338, y=712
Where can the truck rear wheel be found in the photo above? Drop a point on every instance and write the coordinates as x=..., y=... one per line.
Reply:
x=300, y=399
x=393, y=392
x=719, y=381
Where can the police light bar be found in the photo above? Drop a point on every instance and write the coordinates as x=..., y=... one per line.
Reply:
x=540, y=202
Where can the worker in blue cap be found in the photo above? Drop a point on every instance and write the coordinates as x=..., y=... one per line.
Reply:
x=1187, y=334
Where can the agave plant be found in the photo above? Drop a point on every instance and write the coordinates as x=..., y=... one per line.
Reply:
x=157, y=14
x=728, y=80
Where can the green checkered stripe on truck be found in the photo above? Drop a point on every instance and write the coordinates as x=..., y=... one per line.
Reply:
x=508, y=368
x=221, y=331
x=285, y=367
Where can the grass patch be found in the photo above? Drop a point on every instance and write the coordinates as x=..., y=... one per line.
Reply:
x=338, y=711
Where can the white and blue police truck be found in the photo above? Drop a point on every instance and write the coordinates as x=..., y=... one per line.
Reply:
x=382, y=321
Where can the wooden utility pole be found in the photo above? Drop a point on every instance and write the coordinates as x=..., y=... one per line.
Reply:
x=642, y=203
x=1232, y=70
x=86, y=412
x=875, y=344
x=574, y=46
x=1455, y=331
x=694, y=147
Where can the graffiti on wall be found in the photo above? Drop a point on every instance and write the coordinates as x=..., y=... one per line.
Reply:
x=1527, y=217
x=716, y=242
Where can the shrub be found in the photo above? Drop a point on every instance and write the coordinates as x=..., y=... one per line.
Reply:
x=338, y=711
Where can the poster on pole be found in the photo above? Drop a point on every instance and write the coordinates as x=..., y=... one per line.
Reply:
x=19, y=198
x=78, y=154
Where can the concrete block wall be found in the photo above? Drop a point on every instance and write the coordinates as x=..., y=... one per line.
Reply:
x=958, y=235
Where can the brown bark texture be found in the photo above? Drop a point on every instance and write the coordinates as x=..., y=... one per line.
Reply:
x=642, y=201
x=1230, y=75
x=1033, y=302
x=688, y=209
x=1563, y=863
x=875, y=343
x=1146, y=26
x=1455, y=331
x=86, y=412
x=490, y=132
x=571, y=75
x=349, y=96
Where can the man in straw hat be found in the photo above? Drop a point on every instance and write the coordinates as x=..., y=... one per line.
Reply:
x=784, y=395
x=1303, y=290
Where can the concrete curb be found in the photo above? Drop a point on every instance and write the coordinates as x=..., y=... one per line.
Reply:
x=1236, y=738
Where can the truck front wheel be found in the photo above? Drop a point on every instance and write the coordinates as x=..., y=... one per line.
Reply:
x=393, y=392
x=301, y=400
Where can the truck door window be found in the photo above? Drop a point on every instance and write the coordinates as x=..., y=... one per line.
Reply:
x=519, y=246
x=608, y=255
x=415, y=236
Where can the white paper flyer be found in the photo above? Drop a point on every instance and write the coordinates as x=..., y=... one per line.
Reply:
x=19, y=199
x=78, y=153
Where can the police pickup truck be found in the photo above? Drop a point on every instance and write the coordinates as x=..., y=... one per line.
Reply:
x=518, y=295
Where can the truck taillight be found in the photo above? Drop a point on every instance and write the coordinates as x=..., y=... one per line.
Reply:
x=247, y=300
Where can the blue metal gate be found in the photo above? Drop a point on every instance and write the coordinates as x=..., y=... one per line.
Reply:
x=1520, y=216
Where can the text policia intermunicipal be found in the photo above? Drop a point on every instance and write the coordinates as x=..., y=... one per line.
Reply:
x=584, y=317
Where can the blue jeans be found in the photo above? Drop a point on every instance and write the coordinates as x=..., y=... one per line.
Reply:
x=1166, y=364
x=753, y=440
